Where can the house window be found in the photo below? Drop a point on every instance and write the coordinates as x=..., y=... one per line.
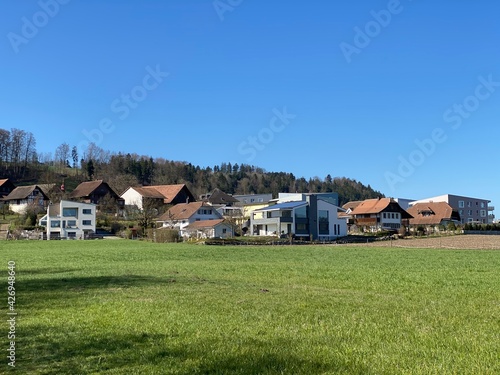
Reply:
x=301, y=228
x=469, y=204
x=224, y=230
x=55, y=224
x=71, y=223
x=87, y=211
x=397, y=215
x=301, y=213
x=71, y=234
x=482, y=205
x=269, y=214
x=324, y=224
x=87, y=222
x=70, y=212
x=385, y=215
x=461, y=212
x=470, y=220
x=469, y=212
x=393, y=216
x=483, y=213
x=286, y=213
x=461, y=204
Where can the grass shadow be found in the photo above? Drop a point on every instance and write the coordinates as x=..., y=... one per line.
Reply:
x=44, y=352
x=42, y=292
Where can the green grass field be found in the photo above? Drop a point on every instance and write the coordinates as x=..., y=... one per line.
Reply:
x=128, y=307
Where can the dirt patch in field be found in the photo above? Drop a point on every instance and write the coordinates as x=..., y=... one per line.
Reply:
x=472, y=242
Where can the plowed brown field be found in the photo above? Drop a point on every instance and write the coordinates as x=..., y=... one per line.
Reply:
x=473, y=242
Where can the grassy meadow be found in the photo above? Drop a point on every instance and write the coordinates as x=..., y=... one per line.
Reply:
x=129, y=307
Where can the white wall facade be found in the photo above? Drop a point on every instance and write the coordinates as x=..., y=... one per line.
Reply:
x=72, y=220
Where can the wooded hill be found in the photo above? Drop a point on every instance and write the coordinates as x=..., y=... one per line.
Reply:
x=20, y=162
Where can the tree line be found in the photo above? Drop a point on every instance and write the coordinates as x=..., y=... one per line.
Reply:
x=20, y=162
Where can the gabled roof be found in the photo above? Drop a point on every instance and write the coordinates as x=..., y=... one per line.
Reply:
x=46, y=188
x=86, y=188
x=183, y=211
x=432, y=213
x=375, y=206
x=205, y=224
x=22, y=192
x=166, y=192
x=351, y=205
x=219, y=197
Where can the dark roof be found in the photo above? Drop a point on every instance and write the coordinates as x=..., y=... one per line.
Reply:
x=432, y=213
x=46, y=188
x=85, y=189
x=22, y=192
x=219, y=197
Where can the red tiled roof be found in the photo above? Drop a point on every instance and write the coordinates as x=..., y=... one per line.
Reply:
x=432, y=213
x=205, y=224
x=182, y=211
x=167, y=192
x=371, y=206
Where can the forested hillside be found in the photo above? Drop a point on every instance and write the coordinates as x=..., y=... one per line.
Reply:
x=20, y=161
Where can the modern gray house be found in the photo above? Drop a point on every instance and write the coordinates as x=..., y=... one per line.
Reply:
x=312, y=218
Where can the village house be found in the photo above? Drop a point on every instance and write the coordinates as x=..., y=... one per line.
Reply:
x=216, y=228
x=157, y=195
x=311, y=218
x=22, y=197
x=68, y=219
x=99, y=193
x=379, y=214
x=433, y=216
x=471, y=210
x=184, y=214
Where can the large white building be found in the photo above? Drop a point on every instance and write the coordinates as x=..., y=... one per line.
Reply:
x=68, y=219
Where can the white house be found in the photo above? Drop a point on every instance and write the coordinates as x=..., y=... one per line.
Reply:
x=159, y=194
x=311, y=218
x=380, y=214
x=69, y=219
x=184, y=214
x=23, y=196
x=209, y=229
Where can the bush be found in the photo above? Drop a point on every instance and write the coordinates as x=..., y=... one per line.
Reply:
x=163, y=235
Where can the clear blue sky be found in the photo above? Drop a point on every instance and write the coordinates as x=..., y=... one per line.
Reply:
x=350, y=104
